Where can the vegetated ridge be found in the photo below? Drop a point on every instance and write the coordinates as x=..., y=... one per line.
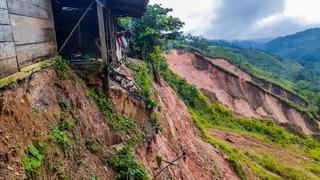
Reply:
x=302, y=46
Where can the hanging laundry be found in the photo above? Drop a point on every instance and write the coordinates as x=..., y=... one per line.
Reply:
x=119, y=41
x=124, y=42
x=118, y=52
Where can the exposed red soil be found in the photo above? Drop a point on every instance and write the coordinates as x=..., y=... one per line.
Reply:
x=231, y=67
x=19, y=123
x=276, y=89
x=178, y=135
x=42, y=91
x=241, y=97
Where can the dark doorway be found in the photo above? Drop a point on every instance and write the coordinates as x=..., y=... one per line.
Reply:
x=83, y=42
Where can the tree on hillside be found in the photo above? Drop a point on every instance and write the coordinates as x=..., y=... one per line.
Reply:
x=152, y=30
x=149, y=34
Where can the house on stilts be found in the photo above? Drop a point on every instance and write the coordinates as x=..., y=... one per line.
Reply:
x=32, y=31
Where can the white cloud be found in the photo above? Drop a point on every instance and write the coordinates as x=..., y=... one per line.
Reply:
x=195, y=14
x=210, y=17
x=306, y=11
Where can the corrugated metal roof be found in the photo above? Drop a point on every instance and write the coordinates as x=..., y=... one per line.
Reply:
x=133, y=8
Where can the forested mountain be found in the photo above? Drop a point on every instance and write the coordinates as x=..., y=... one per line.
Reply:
x=303, y=46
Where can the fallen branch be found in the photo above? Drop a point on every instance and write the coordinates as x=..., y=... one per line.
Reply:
x=169, y=164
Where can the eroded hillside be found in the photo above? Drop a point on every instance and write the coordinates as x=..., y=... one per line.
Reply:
x=53, y=126
x=273, y=88
x=236, y=91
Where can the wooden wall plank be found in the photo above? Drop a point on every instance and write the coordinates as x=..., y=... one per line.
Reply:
x=27, y=30
x=27, y=8
x=46, y=4
x=4, y=17
x=3, y=4
x=7, y=50
x=27, y=53
x=8, y=67
x=5, y=33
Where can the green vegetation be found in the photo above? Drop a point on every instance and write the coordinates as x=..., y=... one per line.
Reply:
x=59, y=136
x=94, y=146
x=127, y=127
x=152, y=30
x=155, y=121
x=37, y=112
x=145, y=80
x=150, y=33
x=148, y=41
x=64, y=103
x=127, y=166
x=36, y=153
x=122, y=161
x=281, y=169
x=32, y=161
x=302, y=46
x=62, y=68
x=215, y=116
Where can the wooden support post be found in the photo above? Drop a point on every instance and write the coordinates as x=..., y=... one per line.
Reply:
x=79, y=38
x=103, y=45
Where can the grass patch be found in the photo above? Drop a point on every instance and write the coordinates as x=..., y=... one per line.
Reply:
x=145, y=80
x=126, y=165
x=155, y=118
x=127, y=127
x=314, y=168
x=281, y=169
x=61, y=66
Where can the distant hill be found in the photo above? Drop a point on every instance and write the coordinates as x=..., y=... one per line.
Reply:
x=303, y=46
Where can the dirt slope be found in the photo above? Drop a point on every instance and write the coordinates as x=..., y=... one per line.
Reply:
x=276, y=89
x=34, y=106
x=178, y=135
x=31, y=108
x=241, y=97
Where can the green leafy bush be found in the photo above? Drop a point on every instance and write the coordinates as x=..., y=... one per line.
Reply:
x=59, y=136
x=32, y=161
x=126, y=165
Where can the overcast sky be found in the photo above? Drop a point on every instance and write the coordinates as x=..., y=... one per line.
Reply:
x=245, y=19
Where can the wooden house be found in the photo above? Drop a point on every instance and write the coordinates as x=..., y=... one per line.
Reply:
x=33, y=30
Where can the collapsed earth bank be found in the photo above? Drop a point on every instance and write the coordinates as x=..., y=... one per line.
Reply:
x=58, y=116
x=223, y=82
